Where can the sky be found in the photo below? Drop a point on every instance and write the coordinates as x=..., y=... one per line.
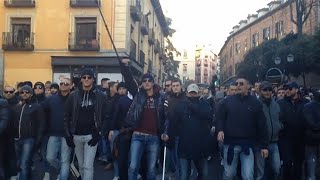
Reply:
x=207, y=21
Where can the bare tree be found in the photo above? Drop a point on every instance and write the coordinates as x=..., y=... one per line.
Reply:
x=303, y=11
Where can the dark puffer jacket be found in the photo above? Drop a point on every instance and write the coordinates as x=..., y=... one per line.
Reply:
x=311, y=112
x=4, y=115
x=134, y=115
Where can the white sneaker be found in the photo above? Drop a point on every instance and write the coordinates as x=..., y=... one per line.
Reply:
x=46, y=176
x=116, y=178
x=13, y=178
x=58, y=177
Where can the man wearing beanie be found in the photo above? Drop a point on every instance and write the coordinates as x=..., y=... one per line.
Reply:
x=54, y=88
x=39, y=93
x=85, y=122
x=146, y=118
x=28, y=125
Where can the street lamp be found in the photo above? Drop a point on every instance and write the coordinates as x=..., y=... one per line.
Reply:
x=290, y=59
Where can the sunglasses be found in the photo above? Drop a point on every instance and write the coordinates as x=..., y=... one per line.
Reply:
x=167, y=85
x=146, y=80
x=8, y=92
x=238, y=83
x=86, y=77
x=24, y=92
x=64, y=84
x=38, y=87
x=267, y=89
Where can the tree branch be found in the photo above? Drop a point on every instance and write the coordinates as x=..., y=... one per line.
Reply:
x=306, y=16
x=291, y=13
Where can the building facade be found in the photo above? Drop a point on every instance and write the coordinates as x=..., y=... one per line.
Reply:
x=206, y=64
x=268, y=23
x=187, y=66
x=47, y=40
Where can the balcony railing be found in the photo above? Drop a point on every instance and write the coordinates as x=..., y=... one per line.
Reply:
x=151, y=36
x=157, y=47
x=78, y=43
x=85, y=3
x=145, y=25
x=19, y=3
x=18, y=43
x=135, y=10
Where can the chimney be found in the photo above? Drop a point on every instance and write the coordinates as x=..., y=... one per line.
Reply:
x=243, y=23
x=252, y=17
x=262, y=12
x=235, y=28
x=274, y=4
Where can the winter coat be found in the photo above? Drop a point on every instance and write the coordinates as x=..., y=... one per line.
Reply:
x=311, y=112
x=121, y=110
x=4, y=115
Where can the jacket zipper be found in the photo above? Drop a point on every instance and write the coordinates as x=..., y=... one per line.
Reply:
x=21, y=120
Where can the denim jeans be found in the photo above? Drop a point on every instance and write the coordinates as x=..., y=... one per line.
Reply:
x=115, y=162
x=201, y=166
x=311, y=161
x=104, y=150
x=85, y=155
x=58, y=155
x=247, y=163
x=141, y=144
x=24, y=148
x=273, y=162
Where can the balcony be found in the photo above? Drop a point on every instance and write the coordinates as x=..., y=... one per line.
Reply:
x=20, y=3
x=19, y=43
x=133, y=50
x=142, y=58
x=77, y=43
x=206, y=63
x=157, y=47
x=162, y=55
x=85, y=3
x=198, y=62
x=145, y=25
x=151, y=36
x=135, y=10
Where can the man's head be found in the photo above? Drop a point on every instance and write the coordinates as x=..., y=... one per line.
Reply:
x=25, y=93
x=38, y=88
x=65, y=85
x=168, y=85
x=231, y=89
x=104, y=83
x=87, y=78
x=122, y=89
x=292, y=90
x=206, y=93
x=266, y=90
x=147, y=81
x=8, y=92
x=19, y=85
x=257, y=87
x=281, y=93
x=54, y=88
x=193, y=91
x=242, y=86
x=176, y=85
x=113, y=87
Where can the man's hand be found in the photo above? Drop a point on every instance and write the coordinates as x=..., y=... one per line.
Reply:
x=264, y=153
x=125, y=61
x=220, y=136
x=110, y=135
x=164, y=137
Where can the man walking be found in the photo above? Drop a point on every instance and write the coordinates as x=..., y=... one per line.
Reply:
x=241, y=125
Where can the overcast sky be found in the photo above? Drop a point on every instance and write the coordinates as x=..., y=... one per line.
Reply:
x=207, y=21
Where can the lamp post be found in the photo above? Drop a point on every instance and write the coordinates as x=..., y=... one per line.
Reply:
x=290, y=59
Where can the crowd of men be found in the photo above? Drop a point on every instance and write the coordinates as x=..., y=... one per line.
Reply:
x=263, y=132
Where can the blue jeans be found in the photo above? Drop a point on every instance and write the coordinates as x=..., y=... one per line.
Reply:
x=104, y=149
x=201, y=166
x=57, y=147
x=247, y=163
x=24, y=148
x=273, y=161
x=311, y=162
x=85, y=155
x=140, y=144
x=173, y=163
x=115, y=162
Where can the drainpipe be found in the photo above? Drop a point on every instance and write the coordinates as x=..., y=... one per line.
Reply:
x=2, y=70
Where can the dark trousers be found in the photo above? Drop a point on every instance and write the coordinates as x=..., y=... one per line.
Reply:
x=124, y=148
x=2, y=148
x=8, y=160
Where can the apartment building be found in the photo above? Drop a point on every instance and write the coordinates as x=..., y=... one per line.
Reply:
x=47, y=40
x=187, y=66
x=206, y=64
x=268, y=23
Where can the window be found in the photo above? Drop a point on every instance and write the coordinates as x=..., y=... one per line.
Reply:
x=245, y=44
x=238, y=48
x=86, y=31
x=279, y=29
x=20, y=31
x=185, y=67
x=185, y=55
x=266, y=33
x=231, y=51
x=255, y=39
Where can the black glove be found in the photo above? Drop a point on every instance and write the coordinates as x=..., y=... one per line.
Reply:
x=70, y=142
x=95, y=139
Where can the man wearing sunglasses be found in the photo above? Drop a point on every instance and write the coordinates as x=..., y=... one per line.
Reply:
x=168, y=85
x=291, y=141
x=57, y=146
x=271, y=111
x=146, y=118
x=241, y=126
x=39, y=92
x=85, y=122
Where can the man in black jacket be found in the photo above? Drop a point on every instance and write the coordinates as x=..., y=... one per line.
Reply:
x=241, y=126
x=85, y=122
x=311, y=112
x=146, y=118
x=4, y=120
x=291, y=140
